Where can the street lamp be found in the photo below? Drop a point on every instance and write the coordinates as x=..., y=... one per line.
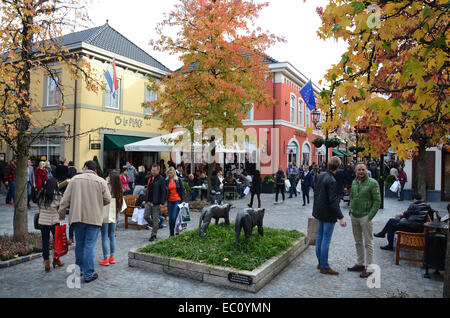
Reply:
x=316, y=121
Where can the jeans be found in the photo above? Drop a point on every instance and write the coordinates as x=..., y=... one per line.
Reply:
x=240, y=190
x=71, y=232
x=391, y=227
x=86, y=236
x=258, y=195
x=194, y=194
x=292, y=189
x=108, y=232
x=216, y=198
x=29, y=186
x=305, y=193
x=280, y=187
x=173, y=210
x=45, y=233
x=323, y=240
x=400, y=192
x=11, y=192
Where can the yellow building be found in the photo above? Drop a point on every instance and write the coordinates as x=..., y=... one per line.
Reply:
x=110, y=123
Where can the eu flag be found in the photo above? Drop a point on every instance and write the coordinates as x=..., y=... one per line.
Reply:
x=307, y=93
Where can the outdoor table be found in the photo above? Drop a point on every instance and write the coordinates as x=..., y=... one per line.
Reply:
x=435, y=246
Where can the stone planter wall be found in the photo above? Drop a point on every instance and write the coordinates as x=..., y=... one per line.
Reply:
x=217, y=275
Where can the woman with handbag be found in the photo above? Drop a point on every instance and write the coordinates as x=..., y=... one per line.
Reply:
x=125, y=180
x=49, y=200
x=110, y=216
x=176, y=195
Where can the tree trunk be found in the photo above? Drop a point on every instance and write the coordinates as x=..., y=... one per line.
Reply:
x=422, y=171
x=446, y=288
x=21, y=198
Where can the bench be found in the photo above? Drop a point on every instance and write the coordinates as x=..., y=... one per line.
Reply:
x=413, y=241
x=130, y=201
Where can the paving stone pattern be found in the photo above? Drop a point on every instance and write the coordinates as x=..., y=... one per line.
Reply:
x=299, y=279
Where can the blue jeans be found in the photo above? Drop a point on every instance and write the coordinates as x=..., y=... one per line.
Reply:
x=11, y=192
x=323, y=240
x=108, y=232
x=172, y=211
x=29, y=186
x=86, y=236
x=293, y=188
x=45, y=233
x=194, y=195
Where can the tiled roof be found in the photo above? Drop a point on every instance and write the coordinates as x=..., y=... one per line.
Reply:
x=107, y=38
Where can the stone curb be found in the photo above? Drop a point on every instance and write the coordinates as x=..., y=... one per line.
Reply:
x=218, y=275
x=26, y=258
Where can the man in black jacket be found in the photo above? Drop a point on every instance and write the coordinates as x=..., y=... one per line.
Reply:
x=327, y=211
x=411, y=220
x=156, y=195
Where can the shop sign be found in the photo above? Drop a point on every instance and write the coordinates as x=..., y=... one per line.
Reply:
x=128, y=122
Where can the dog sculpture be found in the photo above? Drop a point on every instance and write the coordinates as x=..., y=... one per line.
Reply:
x=214, y=211
x=248, y=219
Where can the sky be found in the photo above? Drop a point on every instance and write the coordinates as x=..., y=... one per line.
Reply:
x=295, y=20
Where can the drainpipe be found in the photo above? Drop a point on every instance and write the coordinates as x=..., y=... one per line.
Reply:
x=273, y=130
x=75, y=119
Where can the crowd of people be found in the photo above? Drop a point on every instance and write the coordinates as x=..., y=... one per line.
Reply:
x=94, y=203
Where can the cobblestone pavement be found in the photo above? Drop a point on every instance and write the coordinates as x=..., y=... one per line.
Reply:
x=299, y=279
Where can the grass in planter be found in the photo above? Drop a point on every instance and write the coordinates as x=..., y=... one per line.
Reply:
x=216, y=247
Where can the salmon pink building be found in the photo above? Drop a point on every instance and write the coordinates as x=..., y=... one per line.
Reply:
x=281, y=129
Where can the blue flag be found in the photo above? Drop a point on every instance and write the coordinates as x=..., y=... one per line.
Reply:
x=307, y=93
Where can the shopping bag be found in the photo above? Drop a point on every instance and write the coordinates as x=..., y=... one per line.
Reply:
x=61, y=244
x=299, y=187
x=247, y=190
x=395, y=186
x=184, y=211
x=140, y=217
x=287, y=183
x=179, y=226
x=135, y=215
x=124, y=205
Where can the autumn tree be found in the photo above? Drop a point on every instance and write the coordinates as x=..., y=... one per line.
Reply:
x=30, y=33
x=394, y=75
x=224, y=71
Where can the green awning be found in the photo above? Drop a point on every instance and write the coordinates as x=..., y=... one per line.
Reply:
x=347, y=154
x=117, y=142
x=338, y=153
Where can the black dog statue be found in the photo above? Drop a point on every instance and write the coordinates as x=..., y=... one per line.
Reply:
x=248, y=219
x=214, y=211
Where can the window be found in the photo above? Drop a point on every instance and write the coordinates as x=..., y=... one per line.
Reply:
x=150, y=96
x=110, y=101
x=308, y=117
x=53, y=92
x=306, y=154
x=293, y=104
x=251, y=113
x=301, y=107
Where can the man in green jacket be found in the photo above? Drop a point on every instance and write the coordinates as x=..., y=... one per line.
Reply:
x=364, y=204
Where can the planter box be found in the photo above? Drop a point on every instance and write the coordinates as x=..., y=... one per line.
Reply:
x=268, y=188
x=26, y=258
x=251, y=281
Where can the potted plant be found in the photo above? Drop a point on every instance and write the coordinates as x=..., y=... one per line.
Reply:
x=332, y=142
x=267, y=185
x=360, y=148
x=352, y=148
x=318, y=142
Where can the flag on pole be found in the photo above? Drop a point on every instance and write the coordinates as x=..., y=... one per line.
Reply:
x=307, y=93
x=111, y=78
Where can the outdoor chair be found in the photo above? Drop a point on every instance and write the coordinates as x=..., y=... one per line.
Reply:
x=130, y=201
x=413, y=241
x=230, y=192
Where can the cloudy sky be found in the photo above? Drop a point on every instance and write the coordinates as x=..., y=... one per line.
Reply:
x=296, y=21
